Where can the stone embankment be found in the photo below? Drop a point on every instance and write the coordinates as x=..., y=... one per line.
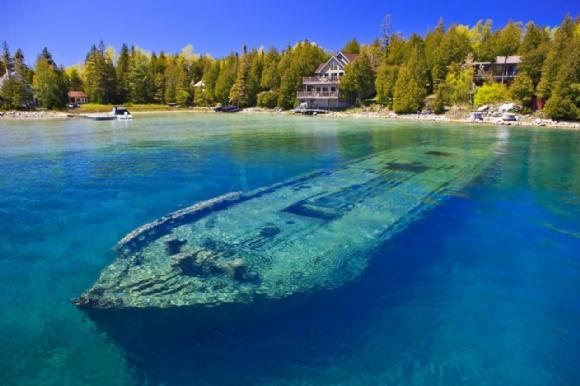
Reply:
x=32, y=115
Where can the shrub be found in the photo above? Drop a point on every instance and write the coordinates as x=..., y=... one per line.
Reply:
x=267, y=99
x=491, y=93
x=559, y=108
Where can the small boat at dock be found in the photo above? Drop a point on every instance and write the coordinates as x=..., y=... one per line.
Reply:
x=117, y=113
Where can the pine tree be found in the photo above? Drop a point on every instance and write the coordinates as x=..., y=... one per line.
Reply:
x=533, y=50
x=554, y=57
x=564, y=102
x=522, y=89
x=270, y=79
x=359, y=79
x=388, y=70
x=411, y=85
x=458, y=84
x=49, y=82
x=74, y=81
x=351, y=47
x=122, y=72
x=433, y=56
x=227, y=77
x=240, y=92
x=140, y=78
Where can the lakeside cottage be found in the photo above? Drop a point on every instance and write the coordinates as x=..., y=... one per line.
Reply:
x=321, y=90
x=503, y=69
x=77, y=97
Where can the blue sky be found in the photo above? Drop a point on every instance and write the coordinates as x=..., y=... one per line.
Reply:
x=217, y=27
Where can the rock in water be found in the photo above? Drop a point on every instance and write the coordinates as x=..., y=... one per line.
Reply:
x=316, y=231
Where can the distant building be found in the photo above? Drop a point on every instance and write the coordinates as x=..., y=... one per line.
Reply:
x=321, y=91
x=77, y=97
x=503, y=69
x=200, y=84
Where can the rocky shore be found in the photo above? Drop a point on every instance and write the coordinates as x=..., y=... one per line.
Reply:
x=32, y=115
x=463, y=117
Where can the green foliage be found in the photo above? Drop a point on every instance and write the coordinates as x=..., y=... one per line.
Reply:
x=122, y=72
x=411, y=85
x=226, y=79
x=99, y=76
x=240, y=91
x=49, y=82
x=388, y=70
x=140, y=78
x=555, y=57
x=564, y=102
x=522, y=89
x=268, y=99
x=351, y=47
x=402, y=71
x=74, y=81
x=440, y=99
x=16, y=91
x=533, y=50
x=297, y=62
x=270, y=79
x=458, y=85
x=358, y=82
x=201, y=97
x=491, y=93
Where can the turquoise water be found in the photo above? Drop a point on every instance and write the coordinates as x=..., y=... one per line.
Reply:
x=481, y=290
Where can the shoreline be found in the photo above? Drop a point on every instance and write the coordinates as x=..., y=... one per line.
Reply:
x=522, y=121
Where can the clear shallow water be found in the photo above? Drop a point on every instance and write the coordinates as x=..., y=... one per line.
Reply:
x=482, y=290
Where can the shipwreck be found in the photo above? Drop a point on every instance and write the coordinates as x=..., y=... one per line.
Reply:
x=316, y=231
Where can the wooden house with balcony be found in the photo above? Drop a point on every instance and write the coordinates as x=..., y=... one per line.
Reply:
x=321, y=90
x=504, y=69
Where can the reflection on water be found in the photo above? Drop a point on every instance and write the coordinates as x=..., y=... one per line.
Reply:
x=481, y=290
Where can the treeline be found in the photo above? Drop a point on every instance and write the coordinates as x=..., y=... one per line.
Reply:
x=404, y=74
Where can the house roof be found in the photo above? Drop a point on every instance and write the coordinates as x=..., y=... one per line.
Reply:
x=350, y=57
x=77, y=94
x=514, y=59
x=341, y=57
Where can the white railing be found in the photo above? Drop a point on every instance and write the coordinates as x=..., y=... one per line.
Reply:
x=319, y=79
x=317, y=94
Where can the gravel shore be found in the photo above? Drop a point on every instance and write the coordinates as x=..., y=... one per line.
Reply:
x=382, y=114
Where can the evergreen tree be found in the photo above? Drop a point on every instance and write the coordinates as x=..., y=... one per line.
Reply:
x=388, y=70
x=122, y=72
x=210, y=77
x=433, y=56
x=74, y=81
x=564, y=102
x=99, y=75
x=270, y=79
x=297, y=62
x=351, y=47
x=533, y=50
x=411, y=85
x=359, y=79
x=140, y=78
x=16, y=91
x=49, y=82
x=226, y=79
x=555, y=56
x=522, y=89
x=240, y=91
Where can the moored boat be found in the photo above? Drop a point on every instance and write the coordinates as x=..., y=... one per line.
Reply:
x=315, y=231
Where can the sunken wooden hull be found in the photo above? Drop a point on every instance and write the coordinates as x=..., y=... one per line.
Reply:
x=316, y=231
